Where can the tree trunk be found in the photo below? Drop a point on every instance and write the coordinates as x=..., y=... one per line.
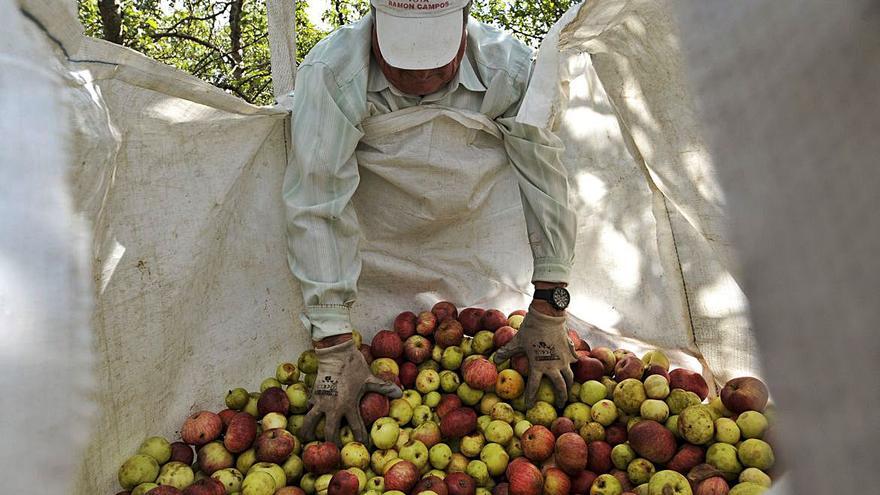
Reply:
x=111, y=20
x=235, y=38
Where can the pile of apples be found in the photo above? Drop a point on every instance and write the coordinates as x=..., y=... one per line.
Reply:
x=630, y=426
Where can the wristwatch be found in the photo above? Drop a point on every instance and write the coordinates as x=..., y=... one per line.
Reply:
x=558, y=297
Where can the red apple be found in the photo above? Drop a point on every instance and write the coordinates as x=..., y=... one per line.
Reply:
x=321, y=458
x=417, y=348
x=428, y=433
x=343, y=483
x=629, y=367
x=405, y=324
x=587, y=368
x=408, y=373
x=444, y=310
x=226, y=416
x=431, y=483
x=520, y=363
x=713, y=486
x=201, y=428
x=471, y=320
x=163, y=490
x=687, y=457
x=523, y=477
x=561, y=425
x=367, y=353
x=652, y=441
x=605, y=355
x=690, y=381
x=273, y=400
x=205, y=486
x=599, y=459
x=537, y=443
x=448, y=403
x=556, y=482
x=401, y=476
x=214, y=457
x=503, y=335
x=458, y=423
x=582, y=481
x=743, y=394
x=572, y=453
x=623, y=478
x=656, y=369
x=493, y=320
x=290, y=490
x=579, y=343
x=241, y=433
x=622, y=353
x=501, y=489
x=182, y=452
x=274, y=445
x=386, y=344
x=426, y=323
x=449, y=333
x=615, y=434
x=373, y=406
x=480, y=374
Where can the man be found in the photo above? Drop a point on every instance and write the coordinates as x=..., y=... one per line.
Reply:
x=413, y=107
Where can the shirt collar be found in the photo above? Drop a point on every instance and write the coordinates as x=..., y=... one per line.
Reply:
x=466, y=76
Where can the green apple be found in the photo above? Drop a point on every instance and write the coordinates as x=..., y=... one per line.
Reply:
x=258, y=483
x=431, y=399
x=380, y=458
x=176, y=474
x=355, y=454
x=458, y=463
x=592, y=392
x=273, y=420
x=521, y=426
x=747, y=488
x=545, y=392
x=361, y=476
x=138, y=469
x=502, y=411
x=629, y=395
x=231, y=479
x=640, y=471
x=483, y=423
x=245, y=460
x=578, y=413
x=657, y=387
x=621, y=455
x=427, y=381
x=756, y=453
x=307, y=483
x=268, y=383
x=669, y=483
x=752, y=424
x=452, y=357
x=610, y=385
x=478, y=470
x=515, y=321
x=604, y=412
x=274, y=470
x=429, y=364
x=293, y=468
x=449, y=381
x=672, y=425
x=402, y=438
x=606, y=484
x=237, y=398
x=723, y=457
x=469, y=396
x=436, y=353
x=294, y=422
x=718, y=407
x=467, y=346
x=483, y=342
x=422, y=414
x=287, y=373
x=413, y=397
x=514, y=448
x=695, y=424
x=574, y=392
x=384, y=432
x=401, y=410
x=440, y=455
x=499, y=431
x=156, y=447
x=542, y=413
x=679, y=400
x=656, y=357
x=756, y=476
x=655, y=410
x=299, y=400
x=472, y=444
x=309, y=380
x=592, y=431
x=143, y=488
x=488, y=402
x=322, y=483
x=376, y=483
x=384, y=365
x=726, y=431
x=495, y=457
x=415, y=452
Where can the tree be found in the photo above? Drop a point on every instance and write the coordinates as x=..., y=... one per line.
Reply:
x=225, y=42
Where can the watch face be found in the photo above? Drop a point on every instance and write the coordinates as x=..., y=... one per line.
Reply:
x=561, y=298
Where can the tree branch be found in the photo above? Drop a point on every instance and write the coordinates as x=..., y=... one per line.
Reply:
x=111, y=20
x=184, y=36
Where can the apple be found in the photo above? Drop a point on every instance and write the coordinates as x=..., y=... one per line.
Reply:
x=587, y=368
x=176, y=474
x=715, y=485
x=503, y=335
x=440, y=455
x=270, y=382
x=680, y=399
x=501, y=489
x=471, y=320
x=756, y=476
x=606, y=484
x=421, y=414
x=599, y=457
x=654, y=409
x=405, y=324
x=459, y=462
x=431, y=483
x=756, y=453
x=426, y=323
x=427, y=381
x=656, y=369
x=472, y=444
x=308, y=362
x=509, y=384
x=499, y=431
x=502, y=411
x=385, y=366
x=210, y=486
x=495, y=458
x=273, y=420
x=579, y=343
x=656, y=357
x=451, y=358
x=656, y=387
x=460, y=483
x=582, y=481
x=607, y=357
x=621, y=455
x=689, y=380
x=298, y=398
x=273, y=399
x=138, y=469
x=449, y=333
x=343, y=483
x=293, y=467
x=458, y=422
x=355, y=454
x=241, y=433
x=695, y=424
x=322, y=483
x=213, y=457
x=604, y=412
x=386, y=344
x=417, y=349
x=468, y=395
x=726, y=431
x=379, y=459
x=629, y=367
x=493, y=320
x=448, y=403
x=201, y=428
x=556, y=482
x=616, y=434
x=724, y=458
x=669, y=483
x=752, y=424
x=483, y=342
x=428, y=433
x=274, y=446
x=629, y=395
x=231, y=479
x=373, y=406
x=478, y=470
x=286, y=373
x=538, y=443
x=321, y=457
x=652, y=441
x=158, y=448
x=571, y=453
x=182, y=452
x=524, y=478
x=160, y=490
x=561, y=425
x=745, y=393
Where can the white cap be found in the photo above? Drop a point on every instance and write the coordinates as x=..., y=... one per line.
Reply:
x=419, y=34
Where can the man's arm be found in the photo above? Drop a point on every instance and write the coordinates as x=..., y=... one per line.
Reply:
x=322, y=228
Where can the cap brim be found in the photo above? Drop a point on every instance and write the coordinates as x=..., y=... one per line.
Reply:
x=419, y=43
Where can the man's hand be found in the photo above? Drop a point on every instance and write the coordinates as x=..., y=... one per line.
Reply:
x=544, y=340
x=343, y=377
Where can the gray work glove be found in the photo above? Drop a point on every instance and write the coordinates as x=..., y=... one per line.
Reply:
x=550, y=352
x=342, y=379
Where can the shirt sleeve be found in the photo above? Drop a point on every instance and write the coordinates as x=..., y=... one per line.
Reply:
x=536, y=155
x=322, y=227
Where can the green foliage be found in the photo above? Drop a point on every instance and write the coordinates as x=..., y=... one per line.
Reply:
x=225, y=42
